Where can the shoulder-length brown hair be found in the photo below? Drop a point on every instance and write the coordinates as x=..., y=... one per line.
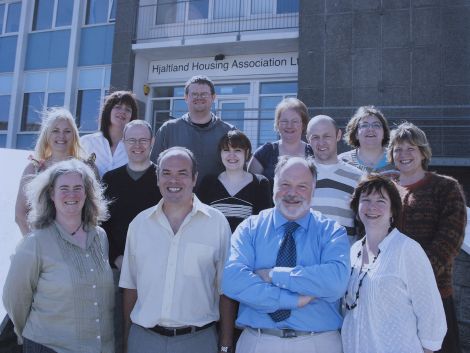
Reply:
x=350, y=135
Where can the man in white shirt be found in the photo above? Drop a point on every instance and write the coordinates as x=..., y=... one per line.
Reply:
x=172, y=267
x=336, y=179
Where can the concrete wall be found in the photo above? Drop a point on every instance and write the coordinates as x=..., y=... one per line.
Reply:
x=409, y=57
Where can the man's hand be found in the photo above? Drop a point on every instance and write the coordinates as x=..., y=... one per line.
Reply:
x=264, y=274
x=304, y=300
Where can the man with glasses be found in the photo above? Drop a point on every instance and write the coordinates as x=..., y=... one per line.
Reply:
x=131, y=189
x=199, y=130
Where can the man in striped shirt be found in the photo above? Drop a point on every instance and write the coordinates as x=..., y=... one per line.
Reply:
x=336, y=179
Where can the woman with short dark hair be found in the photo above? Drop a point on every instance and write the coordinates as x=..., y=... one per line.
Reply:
x=392, y=303
x=237, y=193
x=59, y=290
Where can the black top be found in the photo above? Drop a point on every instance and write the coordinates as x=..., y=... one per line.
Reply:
x=268, y=156
x=250, y=200
x=129, y=197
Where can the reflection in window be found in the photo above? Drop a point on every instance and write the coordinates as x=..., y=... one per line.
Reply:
x=88, y=108
x=262, y=6
x=2, y=13
x=55, y=99
x=166, y=12
x=47, y=49
x=7, y=53
x=64, y=13
x=287, y=6
x=33, y=104
x=43, y=12
x=271, y=93
x=96, y=47
x=198, y=9
x=13, y=17
x=97, y=11
x=4, y=112
x=228, y=8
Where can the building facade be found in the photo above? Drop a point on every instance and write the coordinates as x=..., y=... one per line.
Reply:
x=411, y=58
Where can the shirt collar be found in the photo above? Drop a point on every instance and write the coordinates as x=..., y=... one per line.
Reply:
x=280, y=220
x=198, y=206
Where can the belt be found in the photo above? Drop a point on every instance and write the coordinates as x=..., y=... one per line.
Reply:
x=283, y=333
x=171, y=332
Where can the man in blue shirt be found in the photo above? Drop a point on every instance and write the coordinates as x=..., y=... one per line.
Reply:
x=298, y=300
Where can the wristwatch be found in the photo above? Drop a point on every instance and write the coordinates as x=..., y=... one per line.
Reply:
x=225, y=349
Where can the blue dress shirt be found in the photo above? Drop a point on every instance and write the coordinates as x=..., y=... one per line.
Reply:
x=322, y=271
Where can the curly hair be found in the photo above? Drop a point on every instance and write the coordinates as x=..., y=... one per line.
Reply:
x=350, y=135
x=42, y=208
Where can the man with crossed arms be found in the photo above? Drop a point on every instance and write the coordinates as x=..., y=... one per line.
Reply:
x=288, y=267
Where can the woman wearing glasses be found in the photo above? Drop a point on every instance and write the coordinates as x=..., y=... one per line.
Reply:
x=392, y=303
x=119, y=108
x=368, y=134
x=290, y=121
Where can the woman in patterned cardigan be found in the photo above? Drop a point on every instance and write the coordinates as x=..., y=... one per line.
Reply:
x=434, y=213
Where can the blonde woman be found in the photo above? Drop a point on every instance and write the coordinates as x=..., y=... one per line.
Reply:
x=58, y=140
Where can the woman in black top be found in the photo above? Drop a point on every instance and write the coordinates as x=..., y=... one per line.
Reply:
x=235, y=192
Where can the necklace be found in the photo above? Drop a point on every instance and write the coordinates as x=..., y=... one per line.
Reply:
x=361, y=279
x=76, y=230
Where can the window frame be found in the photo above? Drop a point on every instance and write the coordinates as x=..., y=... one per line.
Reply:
x=53, y=25
x=109, y=19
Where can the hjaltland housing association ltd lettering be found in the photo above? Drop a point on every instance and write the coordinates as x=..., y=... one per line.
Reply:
x=236, y=65
x=224, y=65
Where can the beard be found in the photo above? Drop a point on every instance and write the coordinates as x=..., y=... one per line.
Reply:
x=292, y=207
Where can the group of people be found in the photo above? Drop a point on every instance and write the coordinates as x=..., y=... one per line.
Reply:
x=184, y=240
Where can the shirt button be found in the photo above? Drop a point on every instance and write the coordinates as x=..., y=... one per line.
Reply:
x=87, y=255
x=94, y=286
x=95, y=304
x=92, y=270
x=97, y=320
x=98, y=337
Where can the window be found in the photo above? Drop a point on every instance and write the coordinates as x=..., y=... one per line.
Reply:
x=4, y=111
x=228, y=8
x=198, y=9
x=166, y=12
x=49, y=14
x=10, y=17
x=47, y=50
x=100, y=11
x=34, y=103
x=274, y=6
x=287, y=6
x=88, y=109
x=7, y=53
x=271, y=93
x=96, y=45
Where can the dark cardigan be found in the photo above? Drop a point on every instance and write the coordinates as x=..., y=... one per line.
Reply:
x=434, y=215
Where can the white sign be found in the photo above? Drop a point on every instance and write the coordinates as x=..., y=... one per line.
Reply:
x=240, y=65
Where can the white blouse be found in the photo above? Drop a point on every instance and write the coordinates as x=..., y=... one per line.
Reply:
x=105, y=160
x=399, y=309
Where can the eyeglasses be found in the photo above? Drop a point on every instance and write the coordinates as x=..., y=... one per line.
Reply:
x=290, y=122
x=199, y=95
x=123, y=108
x=375, y=126
x=133, y=141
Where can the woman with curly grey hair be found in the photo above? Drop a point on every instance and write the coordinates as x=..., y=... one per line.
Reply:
x=59, y=289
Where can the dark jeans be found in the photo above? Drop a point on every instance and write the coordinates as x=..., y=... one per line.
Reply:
x=33, y=347
x=451, y=340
